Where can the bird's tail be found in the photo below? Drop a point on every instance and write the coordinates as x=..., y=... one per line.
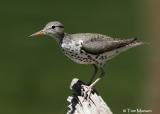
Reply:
x=127, y=44
x=134, y=42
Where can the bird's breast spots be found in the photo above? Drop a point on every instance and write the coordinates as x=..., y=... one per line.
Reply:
x=96, y=57
x=82, y=52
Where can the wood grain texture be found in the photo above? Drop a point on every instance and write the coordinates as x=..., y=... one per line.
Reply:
x=79, y=104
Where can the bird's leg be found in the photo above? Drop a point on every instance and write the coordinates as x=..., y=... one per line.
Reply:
x=94, y=74
x=89, y=89
x=99, y=78
x=88, y=93
x=102, y=72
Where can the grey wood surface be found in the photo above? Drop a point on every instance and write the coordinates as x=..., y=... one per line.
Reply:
x=80, y=103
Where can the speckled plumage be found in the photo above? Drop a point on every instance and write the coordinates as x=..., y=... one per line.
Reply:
x=87, y=48
x=92, y=48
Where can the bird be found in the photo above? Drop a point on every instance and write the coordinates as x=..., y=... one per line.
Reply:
x=87, y=48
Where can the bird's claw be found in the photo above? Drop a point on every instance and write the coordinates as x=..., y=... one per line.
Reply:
x=86, y=92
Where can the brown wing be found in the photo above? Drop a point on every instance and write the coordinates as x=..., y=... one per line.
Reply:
x=98, y=46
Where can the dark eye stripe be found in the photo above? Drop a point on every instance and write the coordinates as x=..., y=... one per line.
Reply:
x=60, y=26
x=57, y=26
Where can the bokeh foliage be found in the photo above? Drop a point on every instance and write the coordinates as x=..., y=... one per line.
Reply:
x=35, y=75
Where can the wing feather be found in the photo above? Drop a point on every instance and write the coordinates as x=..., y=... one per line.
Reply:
x=98, y=45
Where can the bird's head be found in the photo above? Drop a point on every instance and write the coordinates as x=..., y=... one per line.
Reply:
x=54, y=29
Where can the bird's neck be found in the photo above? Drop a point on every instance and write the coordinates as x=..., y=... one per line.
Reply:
x=59, y=37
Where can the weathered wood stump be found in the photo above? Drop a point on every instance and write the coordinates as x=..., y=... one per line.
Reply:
x=80, y=104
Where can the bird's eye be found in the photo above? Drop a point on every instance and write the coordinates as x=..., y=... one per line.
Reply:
x=53, y=27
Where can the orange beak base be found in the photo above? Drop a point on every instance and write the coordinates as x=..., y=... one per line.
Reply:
x=39, y=33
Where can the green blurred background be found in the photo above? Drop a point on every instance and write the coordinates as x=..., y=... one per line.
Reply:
x=35, y=75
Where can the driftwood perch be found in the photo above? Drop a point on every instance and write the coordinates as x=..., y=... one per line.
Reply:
x=80, y=104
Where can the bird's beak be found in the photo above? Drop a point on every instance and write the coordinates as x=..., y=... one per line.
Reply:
x=39, y=33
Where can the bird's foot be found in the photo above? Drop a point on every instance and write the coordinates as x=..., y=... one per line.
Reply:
x=86, y=92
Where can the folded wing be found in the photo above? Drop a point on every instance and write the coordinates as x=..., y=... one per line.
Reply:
x=98, y=45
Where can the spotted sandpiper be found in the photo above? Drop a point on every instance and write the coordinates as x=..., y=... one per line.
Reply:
x=87, y=48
